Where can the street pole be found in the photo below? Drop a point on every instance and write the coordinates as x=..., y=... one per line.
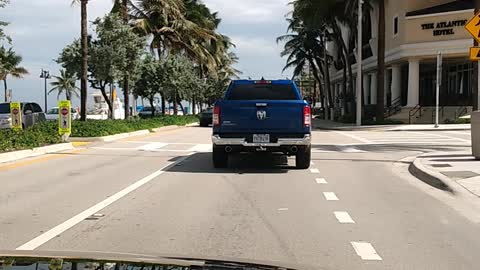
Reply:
x=439, y=83
x=476, y=90
x=45, y=75
x=359, y=64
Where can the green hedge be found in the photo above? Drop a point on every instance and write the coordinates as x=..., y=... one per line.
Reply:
x=98, y=128
x=47, y=132
x=36, y=136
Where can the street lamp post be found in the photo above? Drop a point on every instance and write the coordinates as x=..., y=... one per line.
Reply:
x=45, y=75
x=359, y=64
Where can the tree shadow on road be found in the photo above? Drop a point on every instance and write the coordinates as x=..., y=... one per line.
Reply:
x=238, y=164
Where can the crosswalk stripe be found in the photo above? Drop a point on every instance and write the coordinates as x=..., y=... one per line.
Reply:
x=201, y=148
x=152, y=146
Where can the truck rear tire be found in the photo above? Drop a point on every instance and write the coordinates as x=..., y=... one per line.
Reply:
x=220, y=157
x=303, y=158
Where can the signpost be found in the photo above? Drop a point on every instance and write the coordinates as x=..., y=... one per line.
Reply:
x=439, y=83
x=16, y=115
x=64, y=119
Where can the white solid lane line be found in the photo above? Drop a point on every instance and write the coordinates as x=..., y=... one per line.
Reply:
x=443, y=136
x=330, y=196
x=366, y=251
x=353, y=136
x=321, y=181
x=314, y=171
x=57, y=230
x=343, y=217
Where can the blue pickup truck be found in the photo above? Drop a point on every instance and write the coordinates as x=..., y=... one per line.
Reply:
x=262, y=116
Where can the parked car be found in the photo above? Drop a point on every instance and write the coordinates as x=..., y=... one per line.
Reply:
x=31, y=114
x=147, y=111
x=262, y=116
x=52, y=114
x=206, y=117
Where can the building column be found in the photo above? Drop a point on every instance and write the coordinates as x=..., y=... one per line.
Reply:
x=373, y=88
x=413, y=82
x=366, y=87
x=396, y=82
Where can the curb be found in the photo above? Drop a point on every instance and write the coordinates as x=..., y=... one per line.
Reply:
x=120, y=136
x=431, y=177
x=16, y=155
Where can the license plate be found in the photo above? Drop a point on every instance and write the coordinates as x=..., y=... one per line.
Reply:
x=261, y=138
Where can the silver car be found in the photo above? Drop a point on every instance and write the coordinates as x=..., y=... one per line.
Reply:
x=31, y=114
x=52, y=114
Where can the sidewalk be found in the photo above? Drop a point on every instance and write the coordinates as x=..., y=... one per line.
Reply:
x=331, y=125
x=449, y=171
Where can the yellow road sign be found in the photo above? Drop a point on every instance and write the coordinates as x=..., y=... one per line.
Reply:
x=16, y=115
x=475, y=53
x=473, y=26
x=64, y=117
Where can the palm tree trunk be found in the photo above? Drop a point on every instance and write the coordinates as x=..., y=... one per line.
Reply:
x=151, y=100
x=126, y=95
x=338, y=35
x=181, y=108
x=381, y=62
x=317, y=77
x=344, y=88
x=194, y=108
x=84, y=45
x=163, y=103
x=5, y=85
x=175, y=108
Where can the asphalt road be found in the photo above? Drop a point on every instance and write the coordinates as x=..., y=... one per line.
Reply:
x=356, y=208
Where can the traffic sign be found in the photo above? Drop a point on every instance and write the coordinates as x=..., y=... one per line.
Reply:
x=475, y=53
x=16, y=115
x=473, y=27
x=64, y=117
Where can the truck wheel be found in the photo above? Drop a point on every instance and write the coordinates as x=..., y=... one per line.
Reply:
x=303, y=158
x=203, y=124
x=220, y=158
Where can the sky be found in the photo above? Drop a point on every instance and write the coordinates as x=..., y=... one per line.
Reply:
x=41, y=28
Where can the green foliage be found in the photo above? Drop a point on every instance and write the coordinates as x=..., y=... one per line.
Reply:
x=97, y=128
x=3, y=36
x=65, y=83
x=39, y=135
x=46, y=133
x=70, y=58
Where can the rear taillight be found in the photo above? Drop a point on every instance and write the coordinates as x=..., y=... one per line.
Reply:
x=307, y=116
x=216, y=116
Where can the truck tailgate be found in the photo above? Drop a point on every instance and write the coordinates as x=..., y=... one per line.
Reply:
x=282, y=116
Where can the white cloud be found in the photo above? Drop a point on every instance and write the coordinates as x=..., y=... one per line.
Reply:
x=250, y=11
x=255, y=45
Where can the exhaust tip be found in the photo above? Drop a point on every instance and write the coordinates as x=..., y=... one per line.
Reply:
x=228, y=149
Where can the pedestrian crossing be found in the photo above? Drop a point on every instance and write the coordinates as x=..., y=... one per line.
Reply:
x=410, y=137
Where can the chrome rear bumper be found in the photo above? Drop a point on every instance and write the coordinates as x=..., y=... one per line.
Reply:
x=217, y=140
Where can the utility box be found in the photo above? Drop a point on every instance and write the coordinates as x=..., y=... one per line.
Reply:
x=475, y=120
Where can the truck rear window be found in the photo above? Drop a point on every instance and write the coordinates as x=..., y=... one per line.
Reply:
x=263, y=92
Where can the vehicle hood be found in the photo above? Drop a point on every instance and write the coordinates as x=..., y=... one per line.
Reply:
x=4, y=115
x=196, y=262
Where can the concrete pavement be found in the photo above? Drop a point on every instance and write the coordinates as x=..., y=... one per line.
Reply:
x=357, y=208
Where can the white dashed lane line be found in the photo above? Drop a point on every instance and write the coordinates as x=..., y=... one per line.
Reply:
x=321, y=181
x=314, y=171
x=330, y=196
x=366, y=251
x=343, y=217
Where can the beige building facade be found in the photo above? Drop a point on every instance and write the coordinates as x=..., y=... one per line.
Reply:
x=416, y=31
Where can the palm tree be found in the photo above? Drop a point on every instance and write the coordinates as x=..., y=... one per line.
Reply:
x=9, y=66
x=65, y=84
x=84, y=47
